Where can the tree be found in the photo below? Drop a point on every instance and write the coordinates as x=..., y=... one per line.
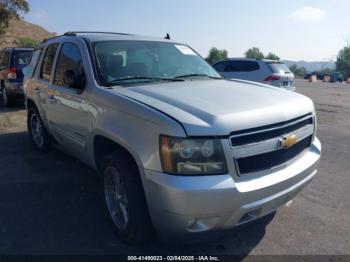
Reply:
x=11, y=9
x=343, y=61
x=215, y=55
x=298, y=71
x=272, y=56
x=26, y=42
x=254, y=53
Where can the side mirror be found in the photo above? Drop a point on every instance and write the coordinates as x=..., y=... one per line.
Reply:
x=73, y=79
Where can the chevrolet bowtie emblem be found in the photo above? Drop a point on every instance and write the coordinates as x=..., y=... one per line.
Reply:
x=288, y=141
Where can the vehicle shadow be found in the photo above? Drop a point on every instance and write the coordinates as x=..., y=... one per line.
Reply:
x=19, y=105
x=52, y=204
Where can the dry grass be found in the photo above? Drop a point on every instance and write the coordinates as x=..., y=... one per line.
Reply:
x=19, y=28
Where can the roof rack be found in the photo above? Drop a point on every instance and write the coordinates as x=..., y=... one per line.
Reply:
x=46, y=39
x=74, y=33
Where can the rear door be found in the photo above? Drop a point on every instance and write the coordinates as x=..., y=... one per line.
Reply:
x=44, y=73
x=67, y=109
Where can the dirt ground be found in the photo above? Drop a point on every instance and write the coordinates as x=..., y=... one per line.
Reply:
x=50, y=203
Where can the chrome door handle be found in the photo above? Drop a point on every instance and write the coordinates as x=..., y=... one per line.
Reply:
x=51, y=98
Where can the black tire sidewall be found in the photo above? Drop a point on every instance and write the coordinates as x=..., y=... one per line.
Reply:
x=10, y=100
x=140, y=228
x=46, y=137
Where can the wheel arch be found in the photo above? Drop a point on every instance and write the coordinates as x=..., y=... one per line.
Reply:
x=103, y=145
x=30, y=103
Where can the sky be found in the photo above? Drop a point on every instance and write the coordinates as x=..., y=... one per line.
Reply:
x=294, y=30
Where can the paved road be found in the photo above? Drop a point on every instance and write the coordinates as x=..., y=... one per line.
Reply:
x=51, y=204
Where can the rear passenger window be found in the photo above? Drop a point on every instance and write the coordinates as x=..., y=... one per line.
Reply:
x=46, y=66
x=242, y=66
x=220, y=67
x=69, y=59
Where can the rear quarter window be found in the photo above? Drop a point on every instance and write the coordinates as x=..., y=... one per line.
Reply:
x=278, y=68
x=22, y=58
x=242, y=66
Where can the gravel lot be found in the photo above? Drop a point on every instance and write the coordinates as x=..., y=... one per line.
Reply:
x=51, y=203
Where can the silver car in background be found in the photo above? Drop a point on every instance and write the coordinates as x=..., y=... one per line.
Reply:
x=270, y=72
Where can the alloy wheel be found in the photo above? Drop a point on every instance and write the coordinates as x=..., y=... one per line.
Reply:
x=37, y=130
x=116, y=197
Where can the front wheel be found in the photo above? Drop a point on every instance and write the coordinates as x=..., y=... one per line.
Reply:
x=37, y=131
x=125, y=200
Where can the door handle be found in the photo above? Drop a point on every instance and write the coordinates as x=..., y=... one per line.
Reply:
x=51, y=98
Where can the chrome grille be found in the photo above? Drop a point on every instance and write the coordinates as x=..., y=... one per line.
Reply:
x=259, y=149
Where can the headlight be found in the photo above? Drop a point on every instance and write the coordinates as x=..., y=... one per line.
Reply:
x=197, y=156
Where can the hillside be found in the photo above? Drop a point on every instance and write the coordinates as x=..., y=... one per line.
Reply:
x=311, y=66
x=19, y=28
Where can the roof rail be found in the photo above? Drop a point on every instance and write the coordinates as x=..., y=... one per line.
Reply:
x=74, y=33
x=47, y=39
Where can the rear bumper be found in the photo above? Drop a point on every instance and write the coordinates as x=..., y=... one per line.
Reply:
x=188, y=206
x=280, y=85
x=14, y=88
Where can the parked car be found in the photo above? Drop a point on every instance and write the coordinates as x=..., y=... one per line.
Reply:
x=336, y=77
x=12, y=61
x=181, y=151
x=264, y=71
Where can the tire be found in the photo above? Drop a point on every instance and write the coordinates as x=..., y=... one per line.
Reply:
x=7, y=100
x=37, y=131
x=128, y=192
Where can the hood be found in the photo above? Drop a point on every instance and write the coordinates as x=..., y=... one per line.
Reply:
x=219, y=107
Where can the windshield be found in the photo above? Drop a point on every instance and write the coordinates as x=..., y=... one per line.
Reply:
x=279, y=68
x=140, y=61
x=22, y=58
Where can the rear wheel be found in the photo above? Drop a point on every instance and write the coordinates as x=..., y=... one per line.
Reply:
x=125, y=200
x=37, y=131
x=7, y=100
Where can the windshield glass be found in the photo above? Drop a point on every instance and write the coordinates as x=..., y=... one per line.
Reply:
x=140, y=61
x=279, y=68
x=22, y=58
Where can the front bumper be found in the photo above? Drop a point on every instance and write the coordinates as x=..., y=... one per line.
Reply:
x=189, y=205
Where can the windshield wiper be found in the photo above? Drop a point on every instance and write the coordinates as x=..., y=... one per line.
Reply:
x=121, y=79
x=200, y=75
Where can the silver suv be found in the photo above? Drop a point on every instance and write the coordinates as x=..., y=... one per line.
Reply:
x=181, y=151
x=270, y=72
